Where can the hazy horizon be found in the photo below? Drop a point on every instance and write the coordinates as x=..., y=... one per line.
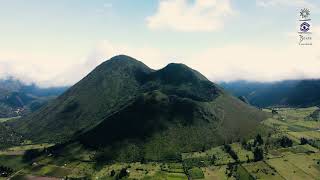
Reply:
x=56, y=43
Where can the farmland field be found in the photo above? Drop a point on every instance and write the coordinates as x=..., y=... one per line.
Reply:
x=261, y=170
x=7, y=119
x=280, y=161
x=243, y=154
x=287, y=170
x=222, y=157
x=215, y=173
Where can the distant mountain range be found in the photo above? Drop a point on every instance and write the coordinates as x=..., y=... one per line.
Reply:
x=292, y=93
x=132, y=111
x=18, y=98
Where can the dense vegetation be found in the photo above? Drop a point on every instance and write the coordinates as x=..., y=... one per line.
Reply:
x=315, y=116
x=5, y=171
x=8, y=137
x=128, y=111
x=298, y=93
x=285, y=142
x=110, y=87
x=290, y=148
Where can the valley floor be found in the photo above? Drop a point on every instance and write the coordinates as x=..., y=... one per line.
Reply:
x=282, y=158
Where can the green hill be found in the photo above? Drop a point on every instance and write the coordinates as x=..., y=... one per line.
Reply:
x=102, y=92
x=161, y=126
x=131, y=111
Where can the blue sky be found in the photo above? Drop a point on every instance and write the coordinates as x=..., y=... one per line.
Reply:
x=58, y=42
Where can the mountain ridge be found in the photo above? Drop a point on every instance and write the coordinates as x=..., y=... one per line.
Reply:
x=291, y=93
x=18, y=98
x=124, y=103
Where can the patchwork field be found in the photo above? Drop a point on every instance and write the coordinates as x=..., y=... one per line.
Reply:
x=287, y=170
x=262, y=170
x=283, y=158
x=243, y=154
x=221, y=157
x=19, y=150
x=215, y=173
x=7, y=119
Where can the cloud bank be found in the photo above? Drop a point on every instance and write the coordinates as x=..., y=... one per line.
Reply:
x=198, y=16
x=237, y=61
x=227, y=63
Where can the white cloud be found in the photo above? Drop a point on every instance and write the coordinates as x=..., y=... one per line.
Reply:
x=291, y=3
x=181, y=15
x=231, y=62
x=55, y=71
x=30, y=68
x=261, y=63
x=249, y=62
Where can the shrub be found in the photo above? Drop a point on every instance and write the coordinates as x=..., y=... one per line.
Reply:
x=285, y=142
x=258, y=154
x=244, y=143
x=31, y=154
x=129, y=153
x=194, y=162
x=213, y=159
x=123, y=173
x=247, y=146
x=229, y=150
x=195, y=173
x=112, y=173
x=258, y=140
x=231, y=169
x=304, y=141
x=5, y=171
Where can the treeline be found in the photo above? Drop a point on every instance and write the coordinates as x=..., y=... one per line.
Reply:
x=8, y=137
x=230, y=151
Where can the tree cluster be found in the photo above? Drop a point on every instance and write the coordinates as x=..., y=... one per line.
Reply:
x=230, y=151
x=31, y=154
x=284, y=141
x=258, y=140
x=258, y=154
x=304, y=141
x=231, y=169
x=5, y=171
x=124, y=172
